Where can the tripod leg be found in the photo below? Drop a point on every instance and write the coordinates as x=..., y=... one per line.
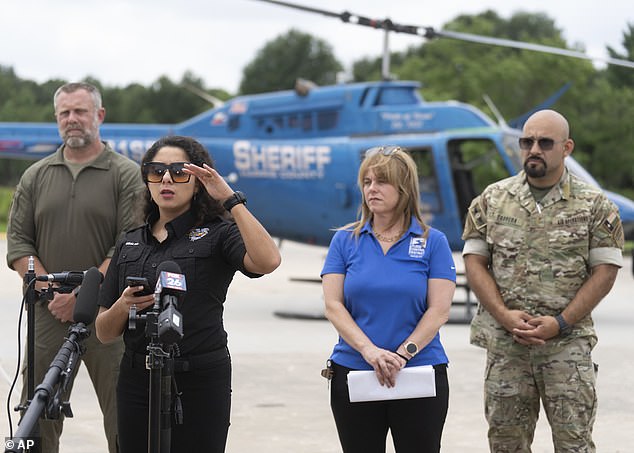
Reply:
x=166, y=405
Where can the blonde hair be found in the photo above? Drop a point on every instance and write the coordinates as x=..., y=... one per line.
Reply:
x=395, y=166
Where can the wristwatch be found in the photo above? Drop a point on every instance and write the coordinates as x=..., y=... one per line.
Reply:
x=564, y=327
x=235, y=199
x=411, y=348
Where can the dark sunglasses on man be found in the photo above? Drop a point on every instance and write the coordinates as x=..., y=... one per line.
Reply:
x=544, y=143
x=154, y=172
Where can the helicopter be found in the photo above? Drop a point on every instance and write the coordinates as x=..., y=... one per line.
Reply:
x=296, y=153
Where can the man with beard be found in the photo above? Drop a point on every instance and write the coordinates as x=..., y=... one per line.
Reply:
x=542, y=249
x=68, y=211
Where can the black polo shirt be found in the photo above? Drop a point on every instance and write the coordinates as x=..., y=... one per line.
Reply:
x=208, y=256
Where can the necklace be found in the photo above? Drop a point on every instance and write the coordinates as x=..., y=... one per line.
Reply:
x=394, y=238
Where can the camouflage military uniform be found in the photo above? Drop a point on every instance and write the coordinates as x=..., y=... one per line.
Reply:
x=540, y=255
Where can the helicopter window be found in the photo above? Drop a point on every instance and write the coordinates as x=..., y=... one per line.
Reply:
x=270, y=124
x=234, y=122
x=327, y=120
x=293, y=121
x=474, y=164
x=396, y=96
x=427, y=179
x=363, y=95
x=307, y=122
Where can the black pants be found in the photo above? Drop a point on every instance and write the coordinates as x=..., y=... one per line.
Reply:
x=206, y=400
x=416, y=424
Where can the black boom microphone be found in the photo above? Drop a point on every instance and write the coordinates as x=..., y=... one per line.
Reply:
x=85, y=310
x=73, y=278
x=47, y=395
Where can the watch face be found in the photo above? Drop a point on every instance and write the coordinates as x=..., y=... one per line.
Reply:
x=411, y=348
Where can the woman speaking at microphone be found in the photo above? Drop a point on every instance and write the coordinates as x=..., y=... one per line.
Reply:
x=196, y=220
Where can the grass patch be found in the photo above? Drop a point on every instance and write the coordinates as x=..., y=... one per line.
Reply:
x=6, y=195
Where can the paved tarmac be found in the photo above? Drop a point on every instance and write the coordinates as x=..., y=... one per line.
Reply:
x=280, y=401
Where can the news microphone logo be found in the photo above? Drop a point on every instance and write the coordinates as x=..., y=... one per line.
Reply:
x=170, y=288
x=171, y=283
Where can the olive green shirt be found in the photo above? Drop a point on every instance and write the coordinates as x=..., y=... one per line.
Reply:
x=72, y=223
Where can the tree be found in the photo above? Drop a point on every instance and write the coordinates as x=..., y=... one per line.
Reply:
x=519, y=80
x=618, y=75
x=162, y=102
x=293, y=55
x=516, y=80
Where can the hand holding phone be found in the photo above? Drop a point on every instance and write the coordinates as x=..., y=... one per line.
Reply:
x=140, y=281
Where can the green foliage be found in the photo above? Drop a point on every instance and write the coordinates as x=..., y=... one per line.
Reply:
x=163, y=101
x=619, y=76
x=6, y=195
x=289, y=57
x=599, y=103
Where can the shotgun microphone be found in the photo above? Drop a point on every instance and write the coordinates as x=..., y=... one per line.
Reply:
x=74, y=278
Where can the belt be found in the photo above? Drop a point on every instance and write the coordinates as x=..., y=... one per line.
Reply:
x=182, y=364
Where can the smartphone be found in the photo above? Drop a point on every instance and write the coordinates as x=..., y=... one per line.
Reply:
x=139, y=281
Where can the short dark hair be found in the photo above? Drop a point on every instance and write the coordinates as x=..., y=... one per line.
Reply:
x=74, y=86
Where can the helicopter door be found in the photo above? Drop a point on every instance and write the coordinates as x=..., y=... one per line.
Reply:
x=475, y=163
x=427, y=178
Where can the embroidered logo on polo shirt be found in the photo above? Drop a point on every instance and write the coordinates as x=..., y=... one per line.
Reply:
x=198, y=233
x=417, y=247
x=131, y=243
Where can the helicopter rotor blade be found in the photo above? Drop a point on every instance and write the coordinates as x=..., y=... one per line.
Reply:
x=305, y=8
x=530, y=46
x=430, y=33
x=203, y=95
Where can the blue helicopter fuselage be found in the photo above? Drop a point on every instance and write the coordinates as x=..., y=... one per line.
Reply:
x=296, y=153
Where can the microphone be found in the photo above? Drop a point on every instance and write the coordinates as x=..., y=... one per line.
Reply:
x=86, y=306
x=74, y=278
x=46, y=401
x=170, y=288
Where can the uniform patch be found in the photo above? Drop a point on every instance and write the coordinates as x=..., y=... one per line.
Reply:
x=507, y=220
x=578, y=220
x=198, y=233
x=609, y=223
x=417, y=247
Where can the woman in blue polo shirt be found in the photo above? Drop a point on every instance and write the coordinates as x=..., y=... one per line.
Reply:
x=388, y=282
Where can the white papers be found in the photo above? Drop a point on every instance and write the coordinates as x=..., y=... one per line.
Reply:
x=412, y=382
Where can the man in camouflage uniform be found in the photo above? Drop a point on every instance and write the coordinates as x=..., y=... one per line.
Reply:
x=542, y=249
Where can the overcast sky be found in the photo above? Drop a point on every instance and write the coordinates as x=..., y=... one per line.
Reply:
x=124, y=41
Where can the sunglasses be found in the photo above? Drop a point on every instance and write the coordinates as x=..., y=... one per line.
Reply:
x=385, y=150
x=545, y=144
x=154, y=172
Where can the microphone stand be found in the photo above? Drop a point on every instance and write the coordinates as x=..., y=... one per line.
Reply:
x=45, y=398
x=31, y=299
x=160, y=363
x=161, y=366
